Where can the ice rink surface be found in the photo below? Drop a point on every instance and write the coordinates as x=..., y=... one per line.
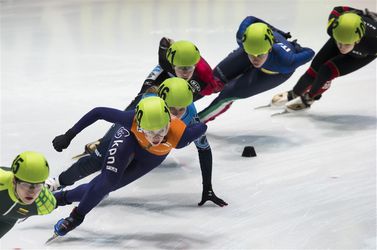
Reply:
x=312, y=185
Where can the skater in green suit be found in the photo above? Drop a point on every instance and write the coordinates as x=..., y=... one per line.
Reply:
x=22, y=191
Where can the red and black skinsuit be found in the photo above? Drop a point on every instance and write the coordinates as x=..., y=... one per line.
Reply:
x=329, y=63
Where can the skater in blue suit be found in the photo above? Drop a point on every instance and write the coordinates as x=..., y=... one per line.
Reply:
x=179, y=98
x=144, y=140
x=264, y=60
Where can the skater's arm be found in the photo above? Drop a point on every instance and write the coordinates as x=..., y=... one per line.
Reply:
x=191, y=133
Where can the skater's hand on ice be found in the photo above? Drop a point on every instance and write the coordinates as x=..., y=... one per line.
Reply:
x=209, y=195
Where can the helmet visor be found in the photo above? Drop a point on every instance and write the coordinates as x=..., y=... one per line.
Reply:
x=184, y=68
x=155, y=137
x=26, y=185
x=184, y=72
x=156, y=133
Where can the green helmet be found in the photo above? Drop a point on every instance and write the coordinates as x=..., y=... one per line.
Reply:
x=348, y=29
x=152, y=113
x=176, y=92
x=257, y=39
x=183, y=53
x=30, y=167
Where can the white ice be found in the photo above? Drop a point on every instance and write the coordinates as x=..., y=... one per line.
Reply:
x=312, y=185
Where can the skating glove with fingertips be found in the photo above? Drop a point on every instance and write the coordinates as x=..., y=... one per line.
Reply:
x=209, y=195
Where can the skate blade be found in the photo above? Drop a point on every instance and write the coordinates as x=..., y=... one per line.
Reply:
x=281, y=113
x=52, y=239
x=76, y=157
x=263, y=106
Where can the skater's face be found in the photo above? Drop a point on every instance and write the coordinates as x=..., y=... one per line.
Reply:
x=184, y=72
x=345, y=48
x=259, y=60
x=27, y=192
x=177, y=111
x=155, y=137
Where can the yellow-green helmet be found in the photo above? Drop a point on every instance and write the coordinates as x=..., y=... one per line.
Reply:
x=152, y=113
x=176, y=92
x=257, y=39
x=183, y=53
x=30, y=167
x=348, y=29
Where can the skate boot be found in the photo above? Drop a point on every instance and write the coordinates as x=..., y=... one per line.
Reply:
x=53, y=184
x=279, y=100
x=299, y=103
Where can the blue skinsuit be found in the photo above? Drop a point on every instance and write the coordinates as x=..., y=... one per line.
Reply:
x=93, y=163
x=243, y=80
x=125, y=160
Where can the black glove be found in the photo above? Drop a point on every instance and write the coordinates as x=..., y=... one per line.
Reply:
x=209, y=195
x=61, y=142
x=63, y=226
x=297, y=46
x=287, y=35
x=162, y=50
x=165, y=43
